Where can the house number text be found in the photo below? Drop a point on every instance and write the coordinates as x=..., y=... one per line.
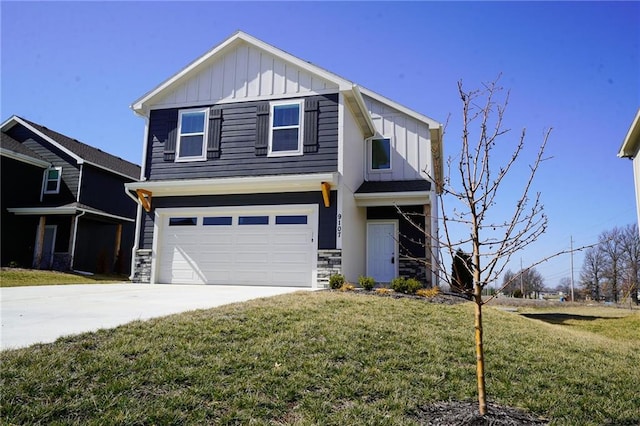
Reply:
x=339, y=228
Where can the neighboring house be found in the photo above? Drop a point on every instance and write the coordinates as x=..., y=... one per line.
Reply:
x=631, y=149
x=63, y=205
x=260, y=168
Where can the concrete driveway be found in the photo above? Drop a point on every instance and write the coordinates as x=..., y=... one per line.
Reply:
x=41, y=314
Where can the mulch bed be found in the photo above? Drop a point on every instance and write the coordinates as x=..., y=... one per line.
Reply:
x=466, y=414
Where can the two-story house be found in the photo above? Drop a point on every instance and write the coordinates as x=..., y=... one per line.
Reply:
x=63, y=205
x=260, y=168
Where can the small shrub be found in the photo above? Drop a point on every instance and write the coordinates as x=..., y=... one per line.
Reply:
x=336, y=281
x=13, y=264
x=399, y=284
x=413, y=285
x=406, y=285
x=366, y=282
x=383, y=291
x=428, y=292
x=347, y=287
x=517, y=294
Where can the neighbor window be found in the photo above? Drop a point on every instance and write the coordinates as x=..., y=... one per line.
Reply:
x=380, y=154
x=286, y=128
x=52, y=178
x=192, y=135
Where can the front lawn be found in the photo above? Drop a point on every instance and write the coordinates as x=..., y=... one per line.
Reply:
x=323, y=358
x=16, y=277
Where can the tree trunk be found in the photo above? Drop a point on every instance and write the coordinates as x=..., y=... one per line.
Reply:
x=482, y=395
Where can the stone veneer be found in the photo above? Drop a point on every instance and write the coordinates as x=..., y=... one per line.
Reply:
x=412, y=268
x=142, y=267
x=329, y=263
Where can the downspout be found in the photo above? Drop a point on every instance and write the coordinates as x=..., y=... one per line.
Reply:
x=143, y=168
x=75, y=235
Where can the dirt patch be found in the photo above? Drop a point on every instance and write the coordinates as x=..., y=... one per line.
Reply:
x=466, y=414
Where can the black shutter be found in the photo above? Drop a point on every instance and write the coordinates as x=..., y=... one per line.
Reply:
x=215, y=127
x=262, y=128
x=310, y=125
x=172, y=137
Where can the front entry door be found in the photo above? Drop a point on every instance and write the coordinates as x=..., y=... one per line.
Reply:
x=48, y=246
x=382, y=253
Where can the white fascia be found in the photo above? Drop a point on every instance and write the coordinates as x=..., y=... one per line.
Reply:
x=24, y=158
x=236, y=185
x=392, y=198
x=40, y=211
x=420, y=117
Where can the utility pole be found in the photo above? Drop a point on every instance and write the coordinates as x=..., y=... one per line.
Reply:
x=572, y=268
x=521, y=284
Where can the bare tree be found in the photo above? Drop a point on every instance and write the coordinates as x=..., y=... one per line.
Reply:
x=525, y=283
x=592, y=270
x=631, y=258
x=564, y=286
x=473, y=183
x=611, y=246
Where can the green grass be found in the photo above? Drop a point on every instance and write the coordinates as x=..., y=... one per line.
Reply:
x=322, y=358
x=13, y=277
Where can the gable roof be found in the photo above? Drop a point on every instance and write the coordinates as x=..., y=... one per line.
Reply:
x=631, y=144
x=11, y=148
x=81, y=152
x=353, y=93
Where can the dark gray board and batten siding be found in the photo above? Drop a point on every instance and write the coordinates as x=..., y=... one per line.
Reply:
x=236, y=145
x=70, y=168
x=326, y=215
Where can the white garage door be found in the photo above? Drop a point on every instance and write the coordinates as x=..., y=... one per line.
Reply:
x=252, y=246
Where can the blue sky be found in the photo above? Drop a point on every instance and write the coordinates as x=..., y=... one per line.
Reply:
x=75, y=67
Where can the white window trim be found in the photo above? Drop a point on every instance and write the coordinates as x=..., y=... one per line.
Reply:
x=369, y=158
x=300, y=126
x=204, y=133
x=45, y=180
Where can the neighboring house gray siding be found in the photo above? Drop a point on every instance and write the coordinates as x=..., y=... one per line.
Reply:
x=326, y=219
x=105, y=191
x=237, y=152
x=58, y=158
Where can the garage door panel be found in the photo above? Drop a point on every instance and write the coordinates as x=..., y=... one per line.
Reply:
x=275, y=253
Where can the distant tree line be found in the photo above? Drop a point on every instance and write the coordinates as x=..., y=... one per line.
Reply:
x=611, y=269
x=527, y=283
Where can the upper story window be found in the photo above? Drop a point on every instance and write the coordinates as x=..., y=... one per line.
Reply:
x=285, y=136
x=192, y=135
x=380, y=154
x=52, y=178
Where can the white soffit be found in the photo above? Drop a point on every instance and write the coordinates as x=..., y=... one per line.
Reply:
x=242, y=185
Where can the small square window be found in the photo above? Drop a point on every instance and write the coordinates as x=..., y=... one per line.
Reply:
x=380, y=154
x=192, y=135
x=286, y=128
x=291, y=220
x=183, y=221
x=253, y=220
x=217, y=221
x=52, y=178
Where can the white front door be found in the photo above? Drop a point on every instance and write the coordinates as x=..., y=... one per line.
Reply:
x=382, y=253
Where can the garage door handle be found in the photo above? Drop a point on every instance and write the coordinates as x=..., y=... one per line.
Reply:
x=393, y=259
